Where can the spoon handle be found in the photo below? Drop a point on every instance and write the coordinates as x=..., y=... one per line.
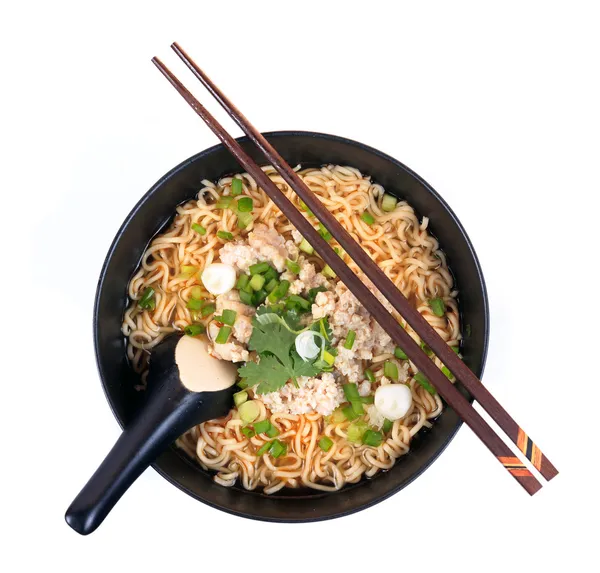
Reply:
x=170, y=411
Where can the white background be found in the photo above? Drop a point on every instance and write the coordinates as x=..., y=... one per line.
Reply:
x=495, y=104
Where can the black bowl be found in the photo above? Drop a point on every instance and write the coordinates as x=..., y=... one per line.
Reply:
x=156, y=209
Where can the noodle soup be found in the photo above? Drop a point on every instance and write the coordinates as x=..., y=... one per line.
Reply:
x=325, y=397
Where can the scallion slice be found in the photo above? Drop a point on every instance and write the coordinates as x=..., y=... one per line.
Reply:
x=248, y=411
x=292, y=266
x=246, y=297
x=400, y=354
x=337, y=416
x=225, y=235
x=357, y=406
x=262, y=426
x=313, y=292
x=350, y=340
x=257, y=282
x=147, y=301
x=356, y=431
x=438, y=307
x=223, y=335
x=272, y=431
x=349, y=413
x=228, y=317
x=224, y=202
x=304, y=207
x=447, y=373
x=259, y=297
x=277, y=449
x=325, y=443
x=271, y=274
x=242, y=282
x=306, y=247
x=372, y=438
x=263, y=449
x=199, y=229
x=324, y=232
x=329, y=358
x=259, y=268
x=367, y=399
x=243, y=219
x=295, y=301
x=351, y=392
x=239, y=398
x=194, y=329
x=422, y=380
x=387, y=426
x=388, y=203
x=328, y=272
x=195, y=304
x=367, y=218
x=279, y=292
x=207, y=310
x=245, y=204
x=248, y=432
x=236, y=187
x=369, y=375
x=426, y=349
x=271, y=285
x=390, y=370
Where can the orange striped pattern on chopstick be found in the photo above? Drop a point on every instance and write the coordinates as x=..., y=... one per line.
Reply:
x=515, y=466
x=531, y=451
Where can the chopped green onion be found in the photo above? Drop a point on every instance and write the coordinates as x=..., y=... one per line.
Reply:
x=356, y=431
x=257, y=282
x=194, y=329
x=207, y=310
x=390, y=370
x=328, y=272
x=262, y=426
x=259, y=268
x=400, y=354
x=246, y=297
x=372, y=438
x=249, y=411
x=357, y=406
x=239, y=398
x=277, y=449
x=329, y=358
x=295, y=301
x=306, y=247
x=349, y=413
x=426, y=349
x=223, y=335
x=196, y=292
x=195, y=304
x=304, y=207
x=337, y=416
x=292, y=266
x=225, y=235
x=228, y=317
x=422, y=380
x=245, y=205
x=279, y=292
x=438, y=307
x=147, y=301
x=224, y=202
x=243, y=219
x=447, y=373
x=259, y=297
x=388, y=203
x=243, y=383
x=242, y=282
x=236, y=187
x=324, y=232
x=187, y=271
x=350, y=340
x=199, y=229
x=271, y=274
x=369, y=375
x=313, y=292
x=387, y=425
x=325, y=443
x=271, y=285
x=455, y=349
x=351, y=392
x=367, y=218
x=248, y=432
x=272, y=431
x=264, y=449
x=367, y=399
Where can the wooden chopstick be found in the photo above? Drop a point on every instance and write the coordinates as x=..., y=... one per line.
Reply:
x=383, y=283
x=446, y=389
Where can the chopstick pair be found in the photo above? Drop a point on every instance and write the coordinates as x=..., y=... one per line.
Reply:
x=427, y=334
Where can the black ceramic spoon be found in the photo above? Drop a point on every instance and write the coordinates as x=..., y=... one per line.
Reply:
x=186, y=387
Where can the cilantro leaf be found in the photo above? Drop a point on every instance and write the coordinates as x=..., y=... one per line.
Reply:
x=302, y=368
x=267, y=373
x=273, y=338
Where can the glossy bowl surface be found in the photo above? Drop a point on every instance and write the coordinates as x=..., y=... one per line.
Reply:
x=155, y=210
